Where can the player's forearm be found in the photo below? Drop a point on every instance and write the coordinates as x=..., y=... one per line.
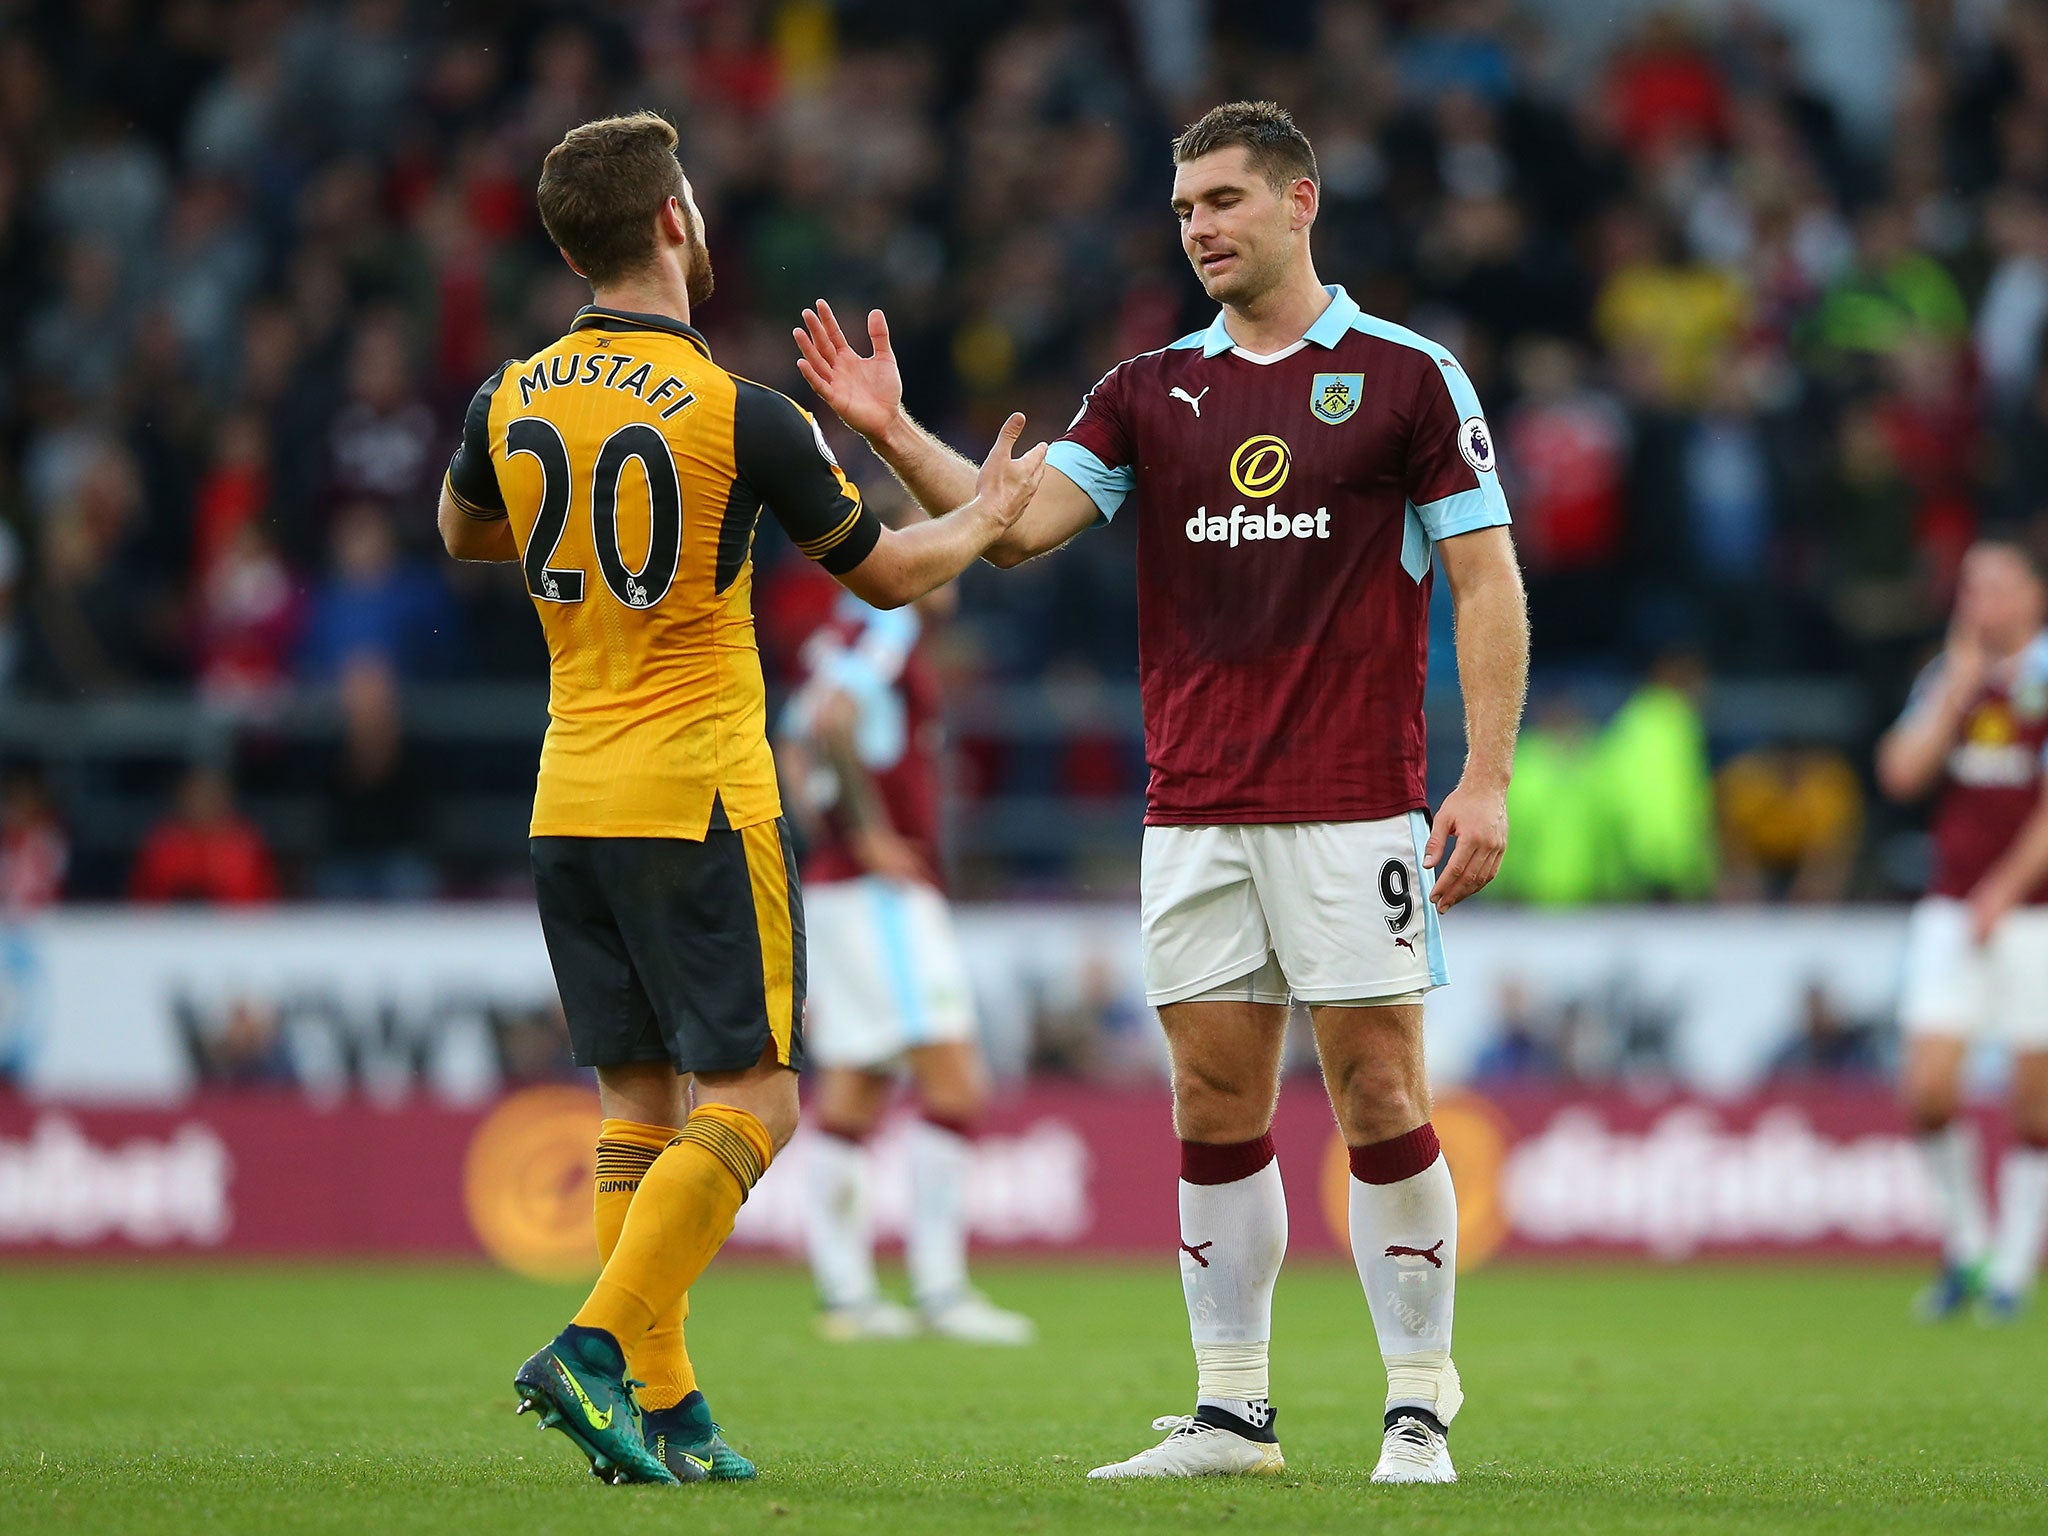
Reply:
x=1493, y=672
x=1910, y=757
x=937, y=477
x=860, y=802
x=909, y=562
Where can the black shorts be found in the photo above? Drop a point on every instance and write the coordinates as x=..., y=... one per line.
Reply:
x=669, y=950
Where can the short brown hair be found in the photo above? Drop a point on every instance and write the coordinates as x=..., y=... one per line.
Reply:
x=1277, y=149
x=601, y=187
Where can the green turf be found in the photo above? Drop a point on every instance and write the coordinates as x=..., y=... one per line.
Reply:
x=376, y=1400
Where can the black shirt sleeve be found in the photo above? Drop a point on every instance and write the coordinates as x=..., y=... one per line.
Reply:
x=472, y=477
x=781, y=457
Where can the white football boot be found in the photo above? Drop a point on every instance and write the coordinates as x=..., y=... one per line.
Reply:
x=968, y=1317
x=1414, y=1452
x=1195, y=1449
x=866, y=1322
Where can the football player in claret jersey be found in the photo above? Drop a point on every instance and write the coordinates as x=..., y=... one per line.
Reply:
x=626, y=471
x=861, y=762
x=1298, y=470
x=1976, y=731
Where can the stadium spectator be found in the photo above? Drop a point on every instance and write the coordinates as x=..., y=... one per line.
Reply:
x=34, y=851
x=246, y=1049
x=1523, y=1046
x=1562, y=853
x=374, y=796
x=1828, y=1043
x=378, y=602
x=205, y=851
x=1653, y=762
x=1791, y=823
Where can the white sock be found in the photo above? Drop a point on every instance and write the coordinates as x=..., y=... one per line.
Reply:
x=1404, y=1240
x=935, y=1247
x=842, y=1247
x=1955, y=1165
x=2022, y=1219
x=1233, y=1237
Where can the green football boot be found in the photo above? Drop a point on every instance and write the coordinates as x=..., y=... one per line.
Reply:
x=685, y=1440
x=578, y=1385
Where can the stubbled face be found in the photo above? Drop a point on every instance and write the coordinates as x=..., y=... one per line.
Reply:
x=1999, y=597
x=1239, y=232
x=697, y=279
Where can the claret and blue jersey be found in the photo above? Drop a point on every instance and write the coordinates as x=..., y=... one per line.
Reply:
x=1288, y=506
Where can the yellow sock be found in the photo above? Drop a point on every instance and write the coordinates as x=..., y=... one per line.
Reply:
x=679, y=1219
x=626, y=1149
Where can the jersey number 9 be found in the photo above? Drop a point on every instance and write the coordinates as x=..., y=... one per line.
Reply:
x=636, y=589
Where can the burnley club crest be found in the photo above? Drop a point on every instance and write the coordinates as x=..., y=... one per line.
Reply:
x=1334, y=396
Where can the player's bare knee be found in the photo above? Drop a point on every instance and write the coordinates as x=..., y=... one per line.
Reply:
x=951, y=1085
x=1376, y=1097
x=850, y=1103
x=1209, y=1108
x=767, y=1091
x=1930, y=1106
x=955, y=1103
x=648, y=1093
x=1930, y=1096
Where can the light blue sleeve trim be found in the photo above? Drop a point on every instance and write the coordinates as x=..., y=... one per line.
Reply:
x=1106, y=487
x=1464, y=511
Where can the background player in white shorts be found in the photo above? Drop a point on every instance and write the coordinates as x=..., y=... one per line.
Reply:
x=888, y=988
x=1977, y=947
x=1297, y=471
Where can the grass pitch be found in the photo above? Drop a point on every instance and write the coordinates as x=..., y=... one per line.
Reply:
x=276, y=1400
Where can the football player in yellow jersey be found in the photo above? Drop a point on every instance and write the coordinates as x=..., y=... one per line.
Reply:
x=626, y=472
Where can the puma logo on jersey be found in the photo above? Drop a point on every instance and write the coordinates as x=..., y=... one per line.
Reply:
x=1430, y=1253
x=1194, y=401
x=1196, y=1252
x=1405, y=944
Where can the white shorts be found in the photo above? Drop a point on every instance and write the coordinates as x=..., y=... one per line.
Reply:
x=1952, y=987
x=885, y=974
x=1323, y=911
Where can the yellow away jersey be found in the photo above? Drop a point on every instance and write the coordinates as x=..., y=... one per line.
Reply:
x=634, y=470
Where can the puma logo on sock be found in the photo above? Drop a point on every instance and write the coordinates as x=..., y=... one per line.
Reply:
x=1398, y=1252
x=1195, y=1253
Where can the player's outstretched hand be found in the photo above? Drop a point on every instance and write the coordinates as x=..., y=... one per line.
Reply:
x=864, y=392
x=1005, y=485
x=1479, y=820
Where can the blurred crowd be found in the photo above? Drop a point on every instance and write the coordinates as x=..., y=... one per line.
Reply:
x=1759, y=370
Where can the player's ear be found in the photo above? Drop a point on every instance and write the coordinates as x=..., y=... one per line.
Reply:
x=675, y=223
x=570, y=261
x=1305, y=198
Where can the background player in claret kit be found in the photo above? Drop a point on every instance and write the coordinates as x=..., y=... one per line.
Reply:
x=627, y=471
x=1977, y=945
x=1298, y=470
x=860, y=759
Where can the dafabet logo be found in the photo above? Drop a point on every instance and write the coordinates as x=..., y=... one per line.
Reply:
x=1258, y=469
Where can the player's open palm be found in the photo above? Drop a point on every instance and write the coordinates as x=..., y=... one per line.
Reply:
x=1478, y=819
x=1006, y=485
x=864, y=391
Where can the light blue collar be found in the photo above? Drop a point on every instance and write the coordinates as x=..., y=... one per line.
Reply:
x=1329, y=328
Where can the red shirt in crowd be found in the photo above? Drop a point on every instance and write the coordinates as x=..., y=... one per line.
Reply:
x=223, y=862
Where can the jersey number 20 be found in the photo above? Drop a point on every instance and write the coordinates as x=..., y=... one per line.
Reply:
x=636, y=589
